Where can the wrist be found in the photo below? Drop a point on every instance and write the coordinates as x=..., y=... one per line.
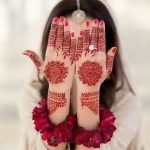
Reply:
x=88, y=104
x=50, y=132
x=58, y=106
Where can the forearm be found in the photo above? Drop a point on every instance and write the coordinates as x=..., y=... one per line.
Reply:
x=88, y=104
x=58, y=107
x=88, y=113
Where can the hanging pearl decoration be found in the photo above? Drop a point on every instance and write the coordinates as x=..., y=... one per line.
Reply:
x=78, y=15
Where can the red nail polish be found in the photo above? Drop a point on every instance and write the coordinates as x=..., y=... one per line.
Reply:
x=101, y=23
x=81, y=32
x=72, y=34
x=95, y=21
x=66, y=23
x=114, y=50
x=87, y=23
x=55, y=19
x=62, y=18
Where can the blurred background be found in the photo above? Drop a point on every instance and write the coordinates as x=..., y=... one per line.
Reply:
x=21, y=26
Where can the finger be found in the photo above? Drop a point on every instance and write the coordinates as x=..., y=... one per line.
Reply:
x=86, y=36
x=110, y=59
x=66, y=40
x=60, y=33
x=101, y=37
x=94, y=33
x=53, y=31
x=72, y=48
x=79, y=46
x=35, y=58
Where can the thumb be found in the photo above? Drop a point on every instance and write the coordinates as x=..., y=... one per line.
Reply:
x=34, y=57
x=110, y=59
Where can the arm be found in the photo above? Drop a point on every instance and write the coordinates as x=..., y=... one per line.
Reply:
x=58, y=70
x=29, y=98
x=93, y=67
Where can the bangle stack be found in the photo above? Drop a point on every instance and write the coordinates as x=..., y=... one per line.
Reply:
x=70, y=131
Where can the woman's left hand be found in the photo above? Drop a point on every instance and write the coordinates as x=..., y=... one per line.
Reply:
x=92, y=68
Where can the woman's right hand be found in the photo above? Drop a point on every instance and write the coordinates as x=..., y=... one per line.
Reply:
x=58, y=68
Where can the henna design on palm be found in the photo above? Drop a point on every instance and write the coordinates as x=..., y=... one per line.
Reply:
x=101, y=37
x=79, y=46
x=55, y=72
x=73, y=49
x=35, y=58
x=90, y=72
x=90, y=100
x=55, y=100
x=66, y=44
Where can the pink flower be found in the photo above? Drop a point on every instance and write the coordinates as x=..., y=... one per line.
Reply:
x=41, y=123
x=43, y=103
x=45, y=135
x=102, y=134
x=71, y=121
x=53, y=134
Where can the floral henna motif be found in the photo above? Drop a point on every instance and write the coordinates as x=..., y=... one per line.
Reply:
x=91, y=101
x=66, y=44
x=90, y=73
x=55, y=72
x=109, y=64
x=101, y=39
x=55, y=100
x=34, y=57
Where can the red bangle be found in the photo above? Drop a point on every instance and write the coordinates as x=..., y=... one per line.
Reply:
x=53, y=134
x=102, y=134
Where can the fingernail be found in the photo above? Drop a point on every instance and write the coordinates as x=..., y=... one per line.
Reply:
x=66, y=23
x=62, y=18
x=95, y=21
x=101, y=23
x=55, y=19
x=114, y=50
x=72, y=34
x=87, y=23
x=81, y=32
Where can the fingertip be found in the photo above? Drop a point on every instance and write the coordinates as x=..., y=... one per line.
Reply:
x=112, y=51
x=55, y=20
x=62, y=19
x=72, y=34
x=81, y=33
x=87, y=23
x=66, y=23
x=101, y=23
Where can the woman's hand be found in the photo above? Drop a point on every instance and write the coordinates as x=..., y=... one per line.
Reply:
x=58, y=68
x=92, y=68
